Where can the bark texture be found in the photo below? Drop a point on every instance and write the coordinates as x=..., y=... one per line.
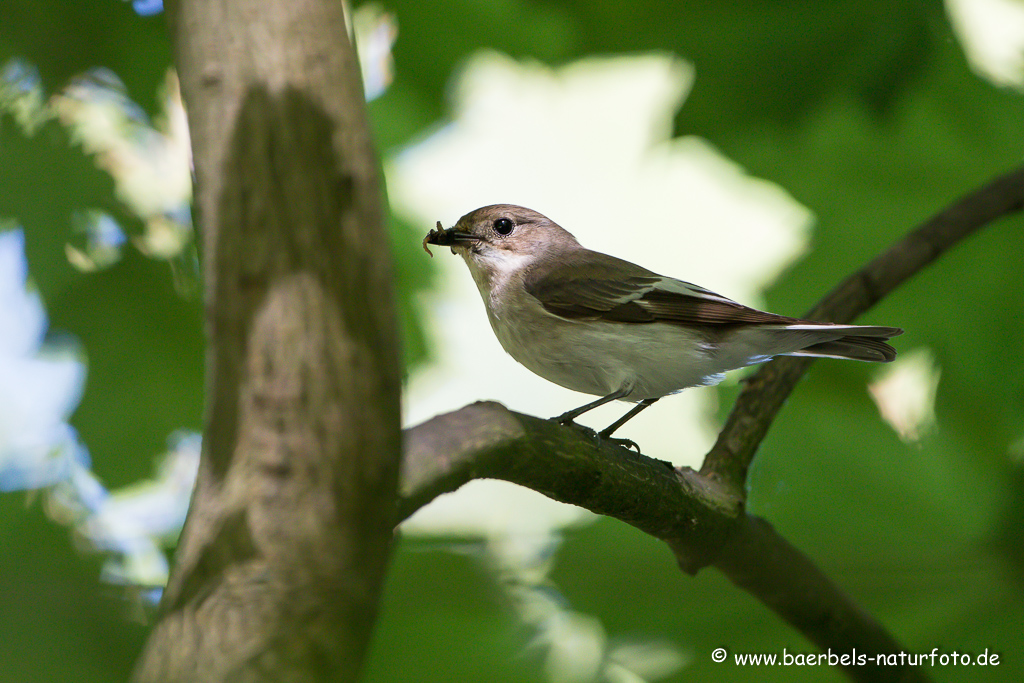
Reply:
x=281, y=562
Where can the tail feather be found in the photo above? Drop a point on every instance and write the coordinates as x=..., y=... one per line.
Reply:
x=757, y=343
x=824, y=340
x=872, y=349
x=853, y=330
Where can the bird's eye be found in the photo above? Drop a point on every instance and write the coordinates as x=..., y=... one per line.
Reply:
x=504, y=226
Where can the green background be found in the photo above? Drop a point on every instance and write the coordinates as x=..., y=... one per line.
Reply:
x=865, y=111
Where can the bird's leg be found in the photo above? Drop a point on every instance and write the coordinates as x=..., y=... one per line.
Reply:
x=633, y=412
x=605, y=434
x=568, y=417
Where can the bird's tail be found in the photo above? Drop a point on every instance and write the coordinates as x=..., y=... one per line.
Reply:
x=853, y=342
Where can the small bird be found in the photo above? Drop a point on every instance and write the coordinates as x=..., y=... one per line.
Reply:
x=599, y=325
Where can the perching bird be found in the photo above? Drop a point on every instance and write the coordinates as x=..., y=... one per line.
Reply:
x=599, y=325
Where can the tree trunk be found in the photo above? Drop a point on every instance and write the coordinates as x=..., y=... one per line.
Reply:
x=281, y=562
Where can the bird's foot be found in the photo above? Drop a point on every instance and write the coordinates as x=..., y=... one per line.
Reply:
x=624, y=443
x=568, y=422
x=594, y=435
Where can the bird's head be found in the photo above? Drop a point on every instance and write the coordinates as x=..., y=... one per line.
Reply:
x=501, y=233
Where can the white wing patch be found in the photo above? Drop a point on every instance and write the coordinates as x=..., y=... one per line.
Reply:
x=669, y=284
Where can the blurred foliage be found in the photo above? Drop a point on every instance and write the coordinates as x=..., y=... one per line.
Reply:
x=864, y=110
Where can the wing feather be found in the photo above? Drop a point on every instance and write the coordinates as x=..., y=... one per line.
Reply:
x=602, y=287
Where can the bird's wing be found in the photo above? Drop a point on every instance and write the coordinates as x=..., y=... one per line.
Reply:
x=603, y=287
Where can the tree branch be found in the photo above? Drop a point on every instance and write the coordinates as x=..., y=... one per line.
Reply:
x=701, y=522
x=765, y=392
x=761, y=562
x=487, y=441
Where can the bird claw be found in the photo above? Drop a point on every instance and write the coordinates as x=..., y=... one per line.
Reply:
x=595, y=436
x=568, y=418
x=568, y=422
x=624, y=443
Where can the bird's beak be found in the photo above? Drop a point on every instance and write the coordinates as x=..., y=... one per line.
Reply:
x=448, y=237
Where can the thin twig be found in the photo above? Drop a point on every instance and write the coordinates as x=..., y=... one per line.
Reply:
x=763, y=396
